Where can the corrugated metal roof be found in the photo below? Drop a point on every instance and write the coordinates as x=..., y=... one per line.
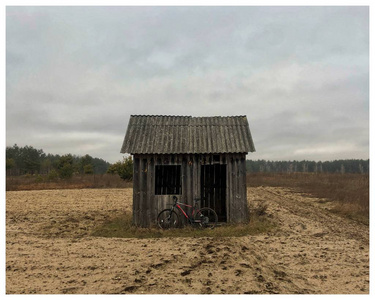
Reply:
x=185, y=134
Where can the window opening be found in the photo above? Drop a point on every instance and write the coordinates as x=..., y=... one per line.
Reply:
x=168, y=180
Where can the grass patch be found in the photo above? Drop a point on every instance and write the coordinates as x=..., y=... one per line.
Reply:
x=47, y=182
x=121, y=227
x=349, y=192
x=353, y=212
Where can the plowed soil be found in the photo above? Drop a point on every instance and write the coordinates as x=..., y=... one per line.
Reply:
x=49, y=250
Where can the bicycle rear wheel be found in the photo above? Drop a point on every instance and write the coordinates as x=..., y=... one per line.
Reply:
x=167, y=219
x=206, y=217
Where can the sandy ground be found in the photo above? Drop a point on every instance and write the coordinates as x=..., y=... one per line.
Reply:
x=49, y=250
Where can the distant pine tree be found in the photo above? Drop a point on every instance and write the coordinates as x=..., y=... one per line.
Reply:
x=336, y=166
x=28, y=160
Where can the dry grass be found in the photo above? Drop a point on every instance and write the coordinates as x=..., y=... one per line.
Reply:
x=43, y=182
x=349, y=192
x=121, y=227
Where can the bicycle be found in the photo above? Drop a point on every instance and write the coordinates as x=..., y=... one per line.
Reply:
x=205, y=217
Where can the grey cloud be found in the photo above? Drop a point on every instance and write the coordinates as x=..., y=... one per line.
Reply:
x=75, y=74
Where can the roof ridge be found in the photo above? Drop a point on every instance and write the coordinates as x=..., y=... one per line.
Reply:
x=160, y=116
x=180, y=116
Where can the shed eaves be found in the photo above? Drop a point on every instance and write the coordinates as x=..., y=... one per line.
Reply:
x=186, y=135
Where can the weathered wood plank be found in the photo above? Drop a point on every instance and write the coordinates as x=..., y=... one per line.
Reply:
x=229, y=188
x=151, y=190
x=195, y=178
x=241, y=199
x=143, y=193
x=136, y=190
x=244, y=189
x=184, y=181
x=240, y=190
x=235, y=200
x=189, y=179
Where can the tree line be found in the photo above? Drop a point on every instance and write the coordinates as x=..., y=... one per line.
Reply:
x=307, y=166
x=28, y=160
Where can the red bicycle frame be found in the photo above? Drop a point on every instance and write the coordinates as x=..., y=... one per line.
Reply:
x=184, y=213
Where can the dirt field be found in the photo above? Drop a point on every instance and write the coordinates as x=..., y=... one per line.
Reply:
x=49, y=250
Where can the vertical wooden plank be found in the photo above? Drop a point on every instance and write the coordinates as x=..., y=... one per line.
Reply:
x=210, y=187
x=140, y=197
x=136, y=190
x=177, y=179
x=224, y=160
x=223, y=191
x=241, y=202
x=159, y=199
x=236, y=199
x=229, y=187
x=174, y=179
x=191, y=175
x=240, y=190
x=154, y=188
x=184, y=185
x=180, y=162
x=206, y=187
x=225, y=183
x=218, y=179
x=140, y=179
x=143, y=204
x=188, y=179
x=213, y=176
x=141, y=192
x=183, y=160
x=162, y=201
x=162, y=175
x=244, y=189
x=151, y=189
x=143, y=189
x=194, y=177
x=198, y=176
x=203, y=183
x=234, y=189
x=145, y=201
x=212, y=183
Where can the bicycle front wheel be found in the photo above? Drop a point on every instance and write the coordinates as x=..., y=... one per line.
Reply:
x=206, y=217
x=167, y=219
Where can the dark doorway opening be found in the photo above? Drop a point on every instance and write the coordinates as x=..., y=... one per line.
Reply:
x=213, y=189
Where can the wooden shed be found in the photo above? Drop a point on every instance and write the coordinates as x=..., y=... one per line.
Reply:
x=191, y=158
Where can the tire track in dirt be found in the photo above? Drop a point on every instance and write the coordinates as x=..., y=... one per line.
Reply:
x=312, y=211
x=328, y=253
x=313, y=250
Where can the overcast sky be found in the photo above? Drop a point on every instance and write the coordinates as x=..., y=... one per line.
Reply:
x=74, y=75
